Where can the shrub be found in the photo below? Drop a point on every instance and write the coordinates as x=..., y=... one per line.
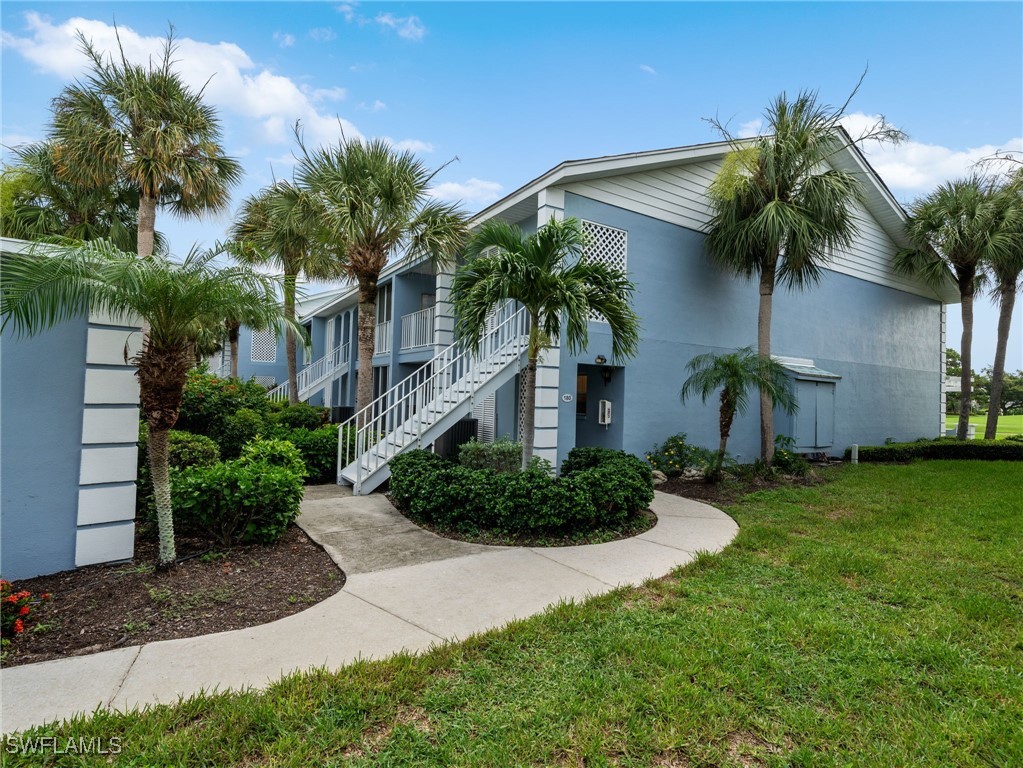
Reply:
x=318, y=448
x=238, y=429
x=183, y=450
x=299, y=416
x=787, y=460
x=246, y=501
x=208, y=400
x=504, y=455
x=674, y=456
x=1015, y=438
x=16, y=609
x=942, y=448
x=600, y=488
x=277, y=453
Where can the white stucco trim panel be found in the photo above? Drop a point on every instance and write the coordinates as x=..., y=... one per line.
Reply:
x=115, y=464
x=106, y=346
x=104, y=386
x=109, y=425
x=106, y=504
x=104, y=544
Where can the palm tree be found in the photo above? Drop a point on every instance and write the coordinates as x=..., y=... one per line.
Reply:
x=1006, y=265
x=180, y=302
x=276, y=227
x=373, y=203
x=143, y=128
x=781, y=210
x=43, y=205
x=953, y=235
x=547, y=274
x=735, y=374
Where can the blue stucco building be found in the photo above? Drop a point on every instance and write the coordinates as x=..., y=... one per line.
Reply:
x=865, y=348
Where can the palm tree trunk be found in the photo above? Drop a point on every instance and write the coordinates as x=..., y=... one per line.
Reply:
x=232, y=337
x=966, y=352
x=727, y=414
x=367, y=343
x=289, y=338
x=147, y=225
x=529, y=416
x=1006, y=301
x=158, y=470
x=764, y=350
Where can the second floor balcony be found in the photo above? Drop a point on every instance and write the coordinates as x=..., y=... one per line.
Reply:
x=417, y=329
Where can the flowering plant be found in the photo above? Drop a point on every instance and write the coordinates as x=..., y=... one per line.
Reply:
x=16, y=607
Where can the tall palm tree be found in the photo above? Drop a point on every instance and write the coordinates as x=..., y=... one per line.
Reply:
x=781, y=210
x=1006, y=265
x=547, y=274
x=735, y=374
x=142, y=127
x=374, y=203
x=45, y=205
x=180, y=302
x=953, y=233
x=277, y=227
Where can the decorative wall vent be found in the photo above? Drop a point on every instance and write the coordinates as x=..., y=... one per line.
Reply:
x=268, y=382
x=606, y=245
x=264, y=346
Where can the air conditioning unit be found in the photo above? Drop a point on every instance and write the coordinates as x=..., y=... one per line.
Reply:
x=604, y=413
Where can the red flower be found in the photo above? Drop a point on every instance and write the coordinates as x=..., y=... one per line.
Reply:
x=19, y=626
x=45, y=596
x=24, y=610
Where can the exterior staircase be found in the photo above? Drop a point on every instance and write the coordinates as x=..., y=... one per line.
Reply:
x=316, y=376
x=417, y=411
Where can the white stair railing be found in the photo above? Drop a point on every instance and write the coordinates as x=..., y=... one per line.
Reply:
x=398, y=418
x=417, y=329
x=313, y=374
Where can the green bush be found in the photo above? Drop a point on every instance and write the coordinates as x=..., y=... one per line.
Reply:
x=277, y=453
x=318, y=448
x=601, y=488
x=1015, y=438
x=674, y=456
x=246, y=501
x=207, y=402
x=299, y=416
x=239, y=428
x=503, y=455
x=183, y=450
x=787, y=460
x=942, y=448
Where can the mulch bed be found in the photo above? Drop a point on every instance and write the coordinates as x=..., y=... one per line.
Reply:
x=731, y=489
x=101, y=607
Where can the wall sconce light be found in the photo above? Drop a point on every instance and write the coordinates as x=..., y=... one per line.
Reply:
x=601, y=360
x=606, y=373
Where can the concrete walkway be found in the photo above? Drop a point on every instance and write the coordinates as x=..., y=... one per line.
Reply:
x=407, y=589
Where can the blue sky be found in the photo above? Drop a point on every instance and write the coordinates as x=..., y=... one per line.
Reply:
x=511, y=89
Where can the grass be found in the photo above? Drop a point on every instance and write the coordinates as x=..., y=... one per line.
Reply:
x=870, y=621
x=1007, y=425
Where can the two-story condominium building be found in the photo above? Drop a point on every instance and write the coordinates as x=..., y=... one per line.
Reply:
x=865, y=348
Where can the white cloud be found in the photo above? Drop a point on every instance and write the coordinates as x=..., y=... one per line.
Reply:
x=376, y=106
x=648, y=69
x=917, y=167
x=362, y=67
x=284, y=40
x=410, y=145
x=408, y=27
x=348, y=11
x=750, y=128
x=472, y=192
x=326, y=94
x=322, y=34
x=232, y=80
x=16, y=139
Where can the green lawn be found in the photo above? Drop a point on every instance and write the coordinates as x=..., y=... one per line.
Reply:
x=872, y=621
x=1007, y=425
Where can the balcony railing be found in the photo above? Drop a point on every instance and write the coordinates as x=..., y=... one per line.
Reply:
x=382, y=342
x=417, y=329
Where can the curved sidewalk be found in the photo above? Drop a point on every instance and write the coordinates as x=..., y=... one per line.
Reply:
x=407, y=589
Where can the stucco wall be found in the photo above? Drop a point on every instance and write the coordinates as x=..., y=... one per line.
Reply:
x=882, y=341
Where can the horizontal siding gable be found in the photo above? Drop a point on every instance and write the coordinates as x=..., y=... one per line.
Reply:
x=678, y=195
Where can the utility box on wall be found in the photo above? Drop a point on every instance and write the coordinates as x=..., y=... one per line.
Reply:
x=813, y=426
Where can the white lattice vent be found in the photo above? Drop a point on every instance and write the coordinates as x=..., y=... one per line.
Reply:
x=268, y=382
x=520, y=383
x=606, y=245
x=264, y=346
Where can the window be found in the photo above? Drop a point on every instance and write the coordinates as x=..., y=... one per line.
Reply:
x=427, y=300
x=379, y=380
x=383, y=304
x=581, y=385
x=606, y=245
x=264, y=346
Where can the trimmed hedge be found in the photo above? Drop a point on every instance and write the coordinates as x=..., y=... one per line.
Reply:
x=299, y=416
x=598, y=489
x=942, y=448
x=183, y=450
x=503, y=455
